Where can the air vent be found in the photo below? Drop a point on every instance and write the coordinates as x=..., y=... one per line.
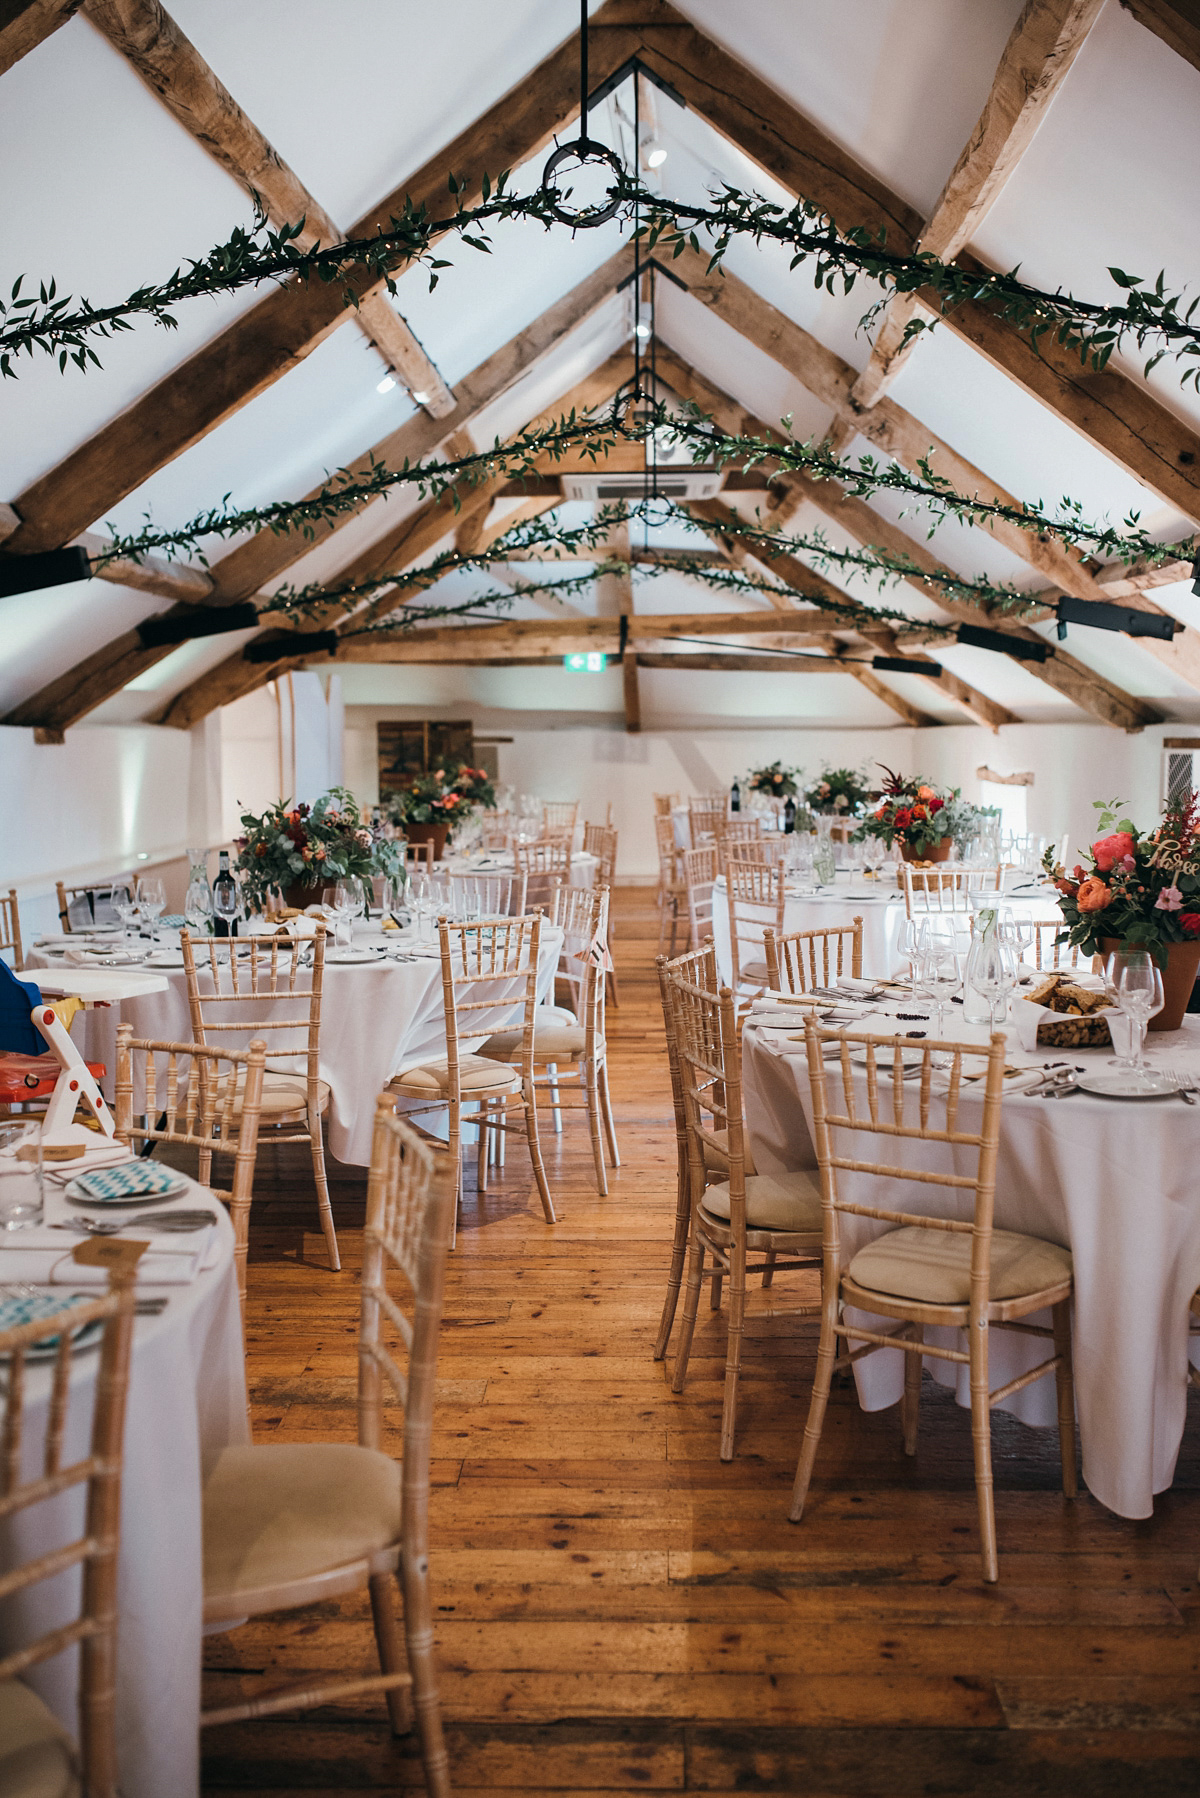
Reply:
x=677, y=483
x=1181, y=772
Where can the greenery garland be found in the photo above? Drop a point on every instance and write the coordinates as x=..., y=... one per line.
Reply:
x=1149, y=315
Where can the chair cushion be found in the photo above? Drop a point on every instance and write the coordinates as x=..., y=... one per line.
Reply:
x=754, y=970
x=934, y=1267
x=285, y=1511
x=716, y=1153
x=37, y=1757
x=476, y=1074
x=282, y=1094
x=556, y=1042
x=553, y=1014
x=773, y=1202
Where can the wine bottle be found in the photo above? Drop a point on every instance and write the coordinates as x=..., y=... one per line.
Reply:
x=225, y=898
x=735, y=798
x=789, y=814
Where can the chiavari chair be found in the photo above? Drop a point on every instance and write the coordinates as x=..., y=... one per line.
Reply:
x=489, y=971
x=706, y=815
x=419, y=856
x=558, y=817
x=300, y=1523
x=602, y=843
x=240, y=986
x=672, y=888
x=778, y=1216
x=734, y=833
x=1048, y=953
x=930, y=891
x=95, y=898
x=562, y=1041
x=489, y=895
x=799, y=960
x=37, y=1755
x=699, y=878
x=10, y=930
x=664, y=804
x=209, y=1099
x=927, y=1269
x=544, y=865
x=755, y=896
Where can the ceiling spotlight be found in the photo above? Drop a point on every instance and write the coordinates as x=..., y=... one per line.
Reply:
x=640, y=330
x=655, y=156
x=386, y=385
x=420, y=396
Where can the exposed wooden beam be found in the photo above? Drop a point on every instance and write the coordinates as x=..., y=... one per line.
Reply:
x=25, y=23
x=171, y=66
x=1063, y=672
x=1043, y=44
x=288, y=324
x=10, y=518
x=253, y=565
x=154, y=574
x=1176, y=22
x=689, y=661
x=1121, y=580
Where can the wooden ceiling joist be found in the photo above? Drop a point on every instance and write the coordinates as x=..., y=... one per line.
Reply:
x=24, y=24
x=1176, y=22
x=179, y=581
x=171, y=66
x=1043, y=44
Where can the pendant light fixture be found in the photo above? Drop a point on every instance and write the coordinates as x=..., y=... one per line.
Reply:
x=584, y=151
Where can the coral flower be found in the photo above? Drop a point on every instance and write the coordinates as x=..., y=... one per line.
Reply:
x=1093, y=895
x=925, y=793
x=1069, y=887
x=918, y=812
x=1112, y=849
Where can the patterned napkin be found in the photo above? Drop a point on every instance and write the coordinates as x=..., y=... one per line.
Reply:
x=127, y=1180
x=17, y=1308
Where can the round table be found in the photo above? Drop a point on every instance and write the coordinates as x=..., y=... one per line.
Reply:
x=584, y=867
x=186, y=1402
x=376, y=1017
x=880, y=905
x=1113, y=1180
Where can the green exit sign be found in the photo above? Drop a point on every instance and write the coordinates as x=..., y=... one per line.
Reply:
x=591, y=661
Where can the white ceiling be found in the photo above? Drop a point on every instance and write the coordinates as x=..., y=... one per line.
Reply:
x=356, y=98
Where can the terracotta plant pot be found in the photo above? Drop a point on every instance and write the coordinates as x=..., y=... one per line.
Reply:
x=1178, y=978
x=429, y=833
x=300, y=897
x=939, y=853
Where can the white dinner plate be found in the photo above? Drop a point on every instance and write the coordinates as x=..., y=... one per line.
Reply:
x=1116, y=1083
x=910, y=1056
x=347, y=957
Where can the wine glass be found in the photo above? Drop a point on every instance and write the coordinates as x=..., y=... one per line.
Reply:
x=126, y=908
x=152, y=900
x=940, y=976
x=910, y=943
x=393, y=894
x=1134, y=977
x=198, y=908
x=995, y=973
x=348, y=901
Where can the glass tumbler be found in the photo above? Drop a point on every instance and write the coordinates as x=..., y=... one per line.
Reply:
x=21, y=1194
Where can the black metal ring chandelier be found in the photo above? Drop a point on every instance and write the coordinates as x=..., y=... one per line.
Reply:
x=585, y=150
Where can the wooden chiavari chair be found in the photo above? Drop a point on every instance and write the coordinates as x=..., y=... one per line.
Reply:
x=419, y=857
x=928, y=1269
x=212, y=1104
x=36, y=1754
x=96, y=896
x=582, y=915
x=699, y=878
x=755, y=896
x=1048, y=953
x=559, y=816
x=270, y=984
x=664, y=804
x=603, y=845
x=735, y=833
x=706, y=815
x=299, y=1523
x=932, y=891
x=774, y=1215
x=672, y=888
x=10, y=930
x=804, y=959
x=491, y=895
x=544, y=866
x=489, y=970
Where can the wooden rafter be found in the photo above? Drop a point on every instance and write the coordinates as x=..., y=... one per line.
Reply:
x=24, y=24
x=171, y=66
x=253, y=565
x=1041, y=48
x=1176, y=22
x=1064, y=673
x=802, y=627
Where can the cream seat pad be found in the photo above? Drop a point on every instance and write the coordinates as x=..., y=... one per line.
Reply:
x=557, y=1042
x=282, y=1093
x=285, y=1511
x=715, y=1148
x=773, y=1202
x=37, y=1757
x=431, y=1079
x=934, y=1267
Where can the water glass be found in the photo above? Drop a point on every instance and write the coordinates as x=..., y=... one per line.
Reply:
x=1133, y=976
x=152, y=900
x=21, y=1198
x=198, y=908
x=348, y=902
x=125, y=906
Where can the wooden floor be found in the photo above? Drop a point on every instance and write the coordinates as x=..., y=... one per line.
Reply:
x=617, y=1611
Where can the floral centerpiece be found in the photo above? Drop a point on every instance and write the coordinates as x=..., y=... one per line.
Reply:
x=474, y=784
x=839, y=790
x=910, y=813
x=777, y=782
x=1140, y=889
x=428, y=806
x=297, y=850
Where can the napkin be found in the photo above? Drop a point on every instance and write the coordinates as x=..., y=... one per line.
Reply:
x=136, y=1178
x=42, y=1256
x=104, y=958
x=106, y=1153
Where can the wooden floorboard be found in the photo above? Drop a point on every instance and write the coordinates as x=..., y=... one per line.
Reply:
x=617, y=1611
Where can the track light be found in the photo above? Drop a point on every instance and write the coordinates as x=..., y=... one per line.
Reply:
x=386, y=385
x=905, y=665
x=196, y=621
x=640, y=330
x=51, y=568
x=287, y=648
x=422, y=398
x=1024, y=651
x=655, y=156
x=1105, y=617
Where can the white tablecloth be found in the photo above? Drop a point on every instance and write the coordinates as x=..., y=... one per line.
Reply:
x=1112, y=1180
x=187, y=1401
x=880, y=906
x=375, y=1019
x=498, y=861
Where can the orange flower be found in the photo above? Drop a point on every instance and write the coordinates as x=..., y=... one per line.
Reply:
x=1093, y=894
x=926, y=793
x=919, y=811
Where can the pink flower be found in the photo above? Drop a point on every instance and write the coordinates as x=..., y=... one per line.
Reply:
x=1112, y=849
x=1128, y=864
x=1170, y=899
